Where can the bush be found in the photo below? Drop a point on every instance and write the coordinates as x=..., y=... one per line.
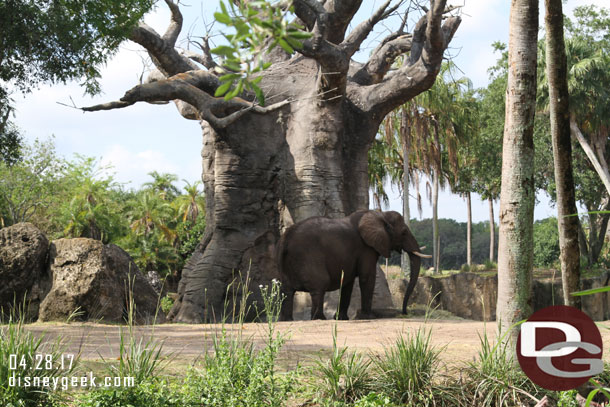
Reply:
x=235, y=374
x=546, y=243
x=407, y=369
x=148, y=393
x=345, y=376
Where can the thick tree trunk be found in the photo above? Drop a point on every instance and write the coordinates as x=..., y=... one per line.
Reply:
x=517, y=196
x=492, y=231
x=557, y=74
x=304, y=162
x=405, y=262
x=469, y=230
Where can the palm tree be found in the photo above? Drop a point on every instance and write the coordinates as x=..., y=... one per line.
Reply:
x=150, y=214
x=190, y=205
x=163, y=184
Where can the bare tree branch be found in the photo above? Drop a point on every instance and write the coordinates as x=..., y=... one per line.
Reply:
x=175, y=26
x=382, y=59
x=353, y=41
x=430, y=39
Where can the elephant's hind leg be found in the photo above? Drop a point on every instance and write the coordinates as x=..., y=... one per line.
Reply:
x=317, y=304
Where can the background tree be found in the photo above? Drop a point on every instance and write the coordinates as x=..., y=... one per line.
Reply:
x=309, y=156
x=556, y=71
x=517, y=195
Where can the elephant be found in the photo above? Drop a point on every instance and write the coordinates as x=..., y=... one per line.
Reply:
x=322, y=254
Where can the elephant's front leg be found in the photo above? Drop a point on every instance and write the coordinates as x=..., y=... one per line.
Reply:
x=287, y=305
x=367, y=287
x=344, y=300
x=317, y=304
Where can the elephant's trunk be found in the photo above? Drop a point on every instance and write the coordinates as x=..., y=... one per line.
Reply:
x=415, y=263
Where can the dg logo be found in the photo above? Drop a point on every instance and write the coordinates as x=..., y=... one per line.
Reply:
x=560, y=348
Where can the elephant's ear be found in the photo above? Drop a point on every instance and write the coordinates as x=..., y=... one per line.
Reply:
x=373, y=229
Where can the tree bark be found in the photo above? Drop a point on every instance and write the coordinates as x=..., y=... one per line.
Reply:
x=492, y=230
x=469, y=231
x=405, y=130
x=435, y=236
x=600, y=165
x=567, y=222
x=517, y=195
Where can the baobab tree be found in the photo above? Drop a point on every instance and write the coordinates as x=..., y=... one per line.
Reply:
x=301, y=155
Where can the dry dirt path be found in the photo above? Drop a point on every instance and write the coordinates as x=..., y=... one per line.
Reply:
x=460, y=338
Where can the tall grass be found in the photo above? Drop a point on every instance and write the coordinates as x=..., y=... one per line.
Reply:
x=345, y=376
x=494, y=379
x=24, y=357
x=406, y=370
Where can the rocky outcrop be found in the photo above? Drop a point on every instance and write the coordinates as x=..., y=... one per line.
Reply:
x=91, y=280
x=382, y=301
x=474, y=295
x=23, y=274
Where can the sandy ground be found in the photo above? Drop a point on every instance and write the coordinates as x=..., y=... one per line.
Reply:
x=306, y=340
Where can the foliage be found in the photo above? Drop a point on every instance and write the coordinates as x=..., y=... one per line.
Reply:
x=236, y=374
x=251, y=24
x=408, y=368
x=17, y=341
x=546, y=243
x=148, y=393
x=10, y=136
x=51, y=41
x=167, y=303
x=345, y=376
x=28, y=186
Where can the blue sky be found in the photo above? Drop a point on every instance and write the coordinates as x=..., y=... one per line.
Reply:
x=143, y=137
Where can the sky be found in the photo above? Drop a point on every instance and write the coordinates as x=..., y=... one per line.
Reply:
x=145, y=138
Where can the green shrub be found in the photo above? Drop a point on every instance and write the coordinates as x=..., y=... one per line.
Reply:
x=235, y=374
x=167, y=303
x=345, y=376
x=407, y=369
x=145, y=394
x=546, y=243
x=493, y=379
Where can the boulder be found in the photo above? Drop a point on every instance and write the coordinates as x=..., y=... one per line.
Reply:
x=382, y=301
x=23, y=263
x=93, y=281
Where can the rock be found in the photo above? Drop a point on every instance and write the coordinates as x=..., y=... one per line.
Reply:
x=155, y=281
x=474, y=295
x=92, y=281
x=382, y=301
x=23, y=261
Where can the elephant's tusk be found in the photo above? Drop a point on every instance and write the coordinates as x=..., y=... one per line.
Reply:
x=422, y=248
x=425, y=256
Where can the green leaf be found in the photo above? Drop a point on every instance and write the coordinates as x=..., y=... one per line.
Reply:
x=223, y=50
x=299, y=35
x=231, y=94
x=591, y=291
x=230, y=77
x=260, y=96
x=222, y=89
x=222, y=18
x=285, y=46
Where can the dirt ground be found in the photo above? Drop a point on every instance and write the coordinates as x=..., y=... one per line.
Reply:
x=306, y=340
